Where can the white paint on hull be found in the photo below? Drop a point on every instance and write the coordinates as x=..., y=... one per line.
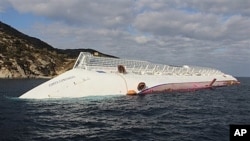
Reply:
x=81, y=83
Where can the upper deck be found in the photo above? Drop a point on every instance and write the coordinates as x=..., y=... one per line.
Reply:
x=89, y=62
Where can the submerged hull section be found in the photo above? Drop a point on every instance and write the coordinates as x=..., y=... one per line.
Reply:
x=81, y=83
x=187, y=86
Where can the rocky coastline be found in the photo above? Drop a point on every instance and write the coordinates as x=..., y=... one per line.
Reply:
x=22, y=56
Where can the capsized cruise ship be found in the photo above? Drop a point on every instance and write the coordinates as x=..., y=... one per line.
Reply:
x=98, y=76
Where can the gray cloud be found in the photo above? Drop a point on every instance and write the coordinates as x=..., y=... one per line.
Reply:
x=222, y=7
x=225, y=7
x=202, y=26
x=92, y=13
x=3, y=5
x=208, y=33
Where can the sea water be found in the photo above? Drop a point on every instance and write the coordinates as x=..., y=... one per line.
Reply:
x=203, y=115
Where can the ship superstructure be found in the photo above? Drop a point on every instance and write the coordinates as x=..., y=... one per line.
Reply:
x=93, y=75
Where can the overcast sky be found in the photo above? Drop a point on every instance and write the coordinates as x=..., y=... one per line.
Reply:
x=210, y=33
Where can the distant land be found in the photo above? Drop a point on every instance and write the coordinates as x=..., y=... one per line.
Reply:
x=22, y=56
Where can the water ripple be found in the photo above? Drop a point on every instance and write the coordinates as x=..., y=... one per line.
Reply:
x=201, y=115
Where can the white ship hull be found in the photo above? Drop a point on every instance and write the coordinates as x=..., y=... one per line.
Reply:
x=80, y=82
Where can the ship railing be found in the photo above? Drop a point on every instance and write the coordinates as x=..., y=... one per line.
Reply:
x=90, y=62
x=158, y=70
x=79, y=59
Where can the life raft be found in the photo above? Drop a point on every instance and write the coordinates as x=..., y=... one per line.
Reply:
x=131, y=92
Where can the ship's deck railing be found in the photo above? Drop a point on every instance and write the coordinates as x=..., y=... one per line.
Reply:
x=90, y=62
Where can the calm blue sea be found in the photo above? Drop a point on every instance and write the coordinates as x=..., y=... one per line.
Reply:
x=193, y=116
